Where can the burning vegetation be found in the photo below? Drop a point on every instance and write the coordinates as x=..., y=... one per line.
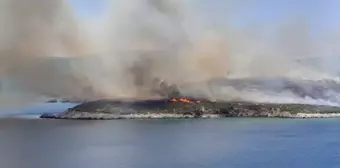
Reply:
x=184, y=107
x=175, y=105
x=184, y=100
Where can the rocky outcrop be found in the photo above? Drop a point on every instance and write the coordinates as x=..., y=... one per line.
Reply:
x=109, y=109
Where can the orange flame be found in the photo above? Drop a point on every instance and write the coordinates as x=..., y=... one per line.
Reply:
x=184, y=100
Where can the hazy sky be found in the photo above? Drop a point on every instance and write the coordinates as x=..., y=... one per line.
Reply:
x=319, y=13
x=87, y=8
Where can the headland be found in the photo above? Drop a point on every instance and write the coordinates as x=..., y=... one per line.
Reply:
x=176, y=108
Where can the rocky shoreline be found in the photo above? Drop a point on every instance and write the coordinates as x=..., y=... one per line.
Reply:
x=173, y=109
x=104, y=116
x=317, y=115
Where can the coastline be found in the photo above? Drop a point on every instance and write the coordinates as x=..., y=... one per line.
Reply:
x=165, y=109
x=104, y=116
x=317, y=115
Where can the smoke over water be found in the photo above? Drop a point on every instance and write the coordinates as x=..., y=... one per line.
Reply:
x=47, y=50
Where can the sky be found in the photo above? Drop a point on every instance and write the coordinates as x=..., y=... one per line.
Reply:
x=88, y=8
x=319, y=13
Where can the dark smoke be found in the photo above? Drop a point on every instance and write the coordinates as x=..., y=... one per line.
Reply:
x=139, y=46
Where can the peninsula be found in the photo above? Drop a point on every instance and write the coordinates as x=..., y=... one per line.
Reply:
x=176, y=105
x=189, y=108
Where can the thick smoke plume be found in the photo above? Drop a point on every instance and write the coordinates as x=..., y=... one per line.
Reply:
x=32, y=32
x=46, y=50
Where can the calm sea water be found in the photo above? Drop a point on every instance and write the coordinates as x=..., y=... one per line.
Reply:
x=212, y=143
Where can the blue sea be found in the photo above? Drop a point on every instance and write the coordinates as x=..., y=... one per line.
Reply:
x=28, y=142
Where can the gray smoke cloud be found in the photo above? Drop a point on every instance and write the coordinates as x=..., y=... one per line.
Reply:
x=152, y=39
x=135, y=41
x=32, y=32
x=172, y=40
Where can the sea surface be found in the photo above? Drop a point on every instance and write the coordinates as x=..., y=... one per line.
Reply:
x=29, y=142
